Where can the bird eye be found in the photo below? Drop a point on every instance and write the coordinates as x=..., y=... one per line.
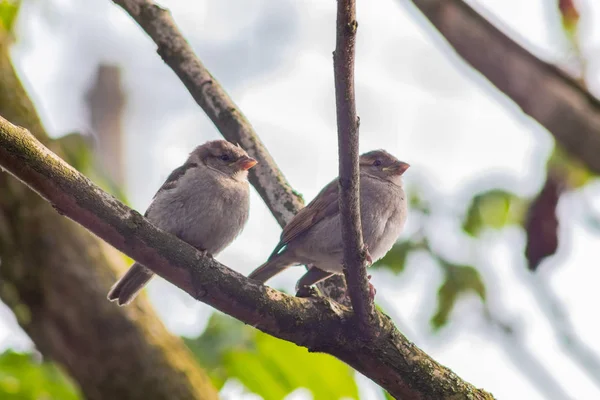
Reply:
x=377, y=163
x=224, y=157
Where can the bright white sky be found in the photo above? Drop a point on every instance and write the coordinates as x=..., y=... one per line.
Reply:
x=414, y=99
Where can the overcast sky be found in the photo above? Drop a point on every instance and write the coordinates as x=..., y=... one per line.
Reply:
x=415, y=99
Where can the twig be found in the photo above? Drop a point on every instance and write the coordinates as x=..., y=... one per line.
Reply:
x=216, y=103
x=555, y=100
x=355, y=254
x=266, y=177
x=319, y=324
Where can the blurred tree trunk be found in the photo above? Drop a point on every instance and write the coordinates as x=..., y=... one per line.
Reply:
x=105, y=101
x=54, y=275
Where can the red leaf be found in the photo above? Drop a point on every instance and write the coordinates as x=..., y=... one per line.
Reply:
x=541, y=225
x=569, y=12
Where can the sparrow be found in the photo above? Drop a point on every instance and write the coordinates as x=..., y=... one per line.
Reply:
x=204, y=202
x=314, y=237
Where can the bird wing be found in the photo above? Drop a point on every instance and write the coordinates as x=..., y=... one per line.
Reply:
x=324, y=206
x=172, y=179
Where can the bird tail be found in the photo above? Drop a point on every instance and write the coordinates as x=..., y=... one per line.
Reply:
x=125, y=290
x=272, y=267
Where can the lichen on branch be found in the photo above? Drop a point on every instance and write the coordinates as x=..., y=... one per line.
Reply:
x=319, y=324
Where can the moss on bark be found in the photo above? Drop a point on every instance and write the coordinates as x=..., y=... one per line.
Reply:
x=55, y=275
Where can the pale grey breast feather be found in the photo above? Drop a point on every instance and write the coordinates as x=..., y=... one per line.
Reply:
x=222, y=217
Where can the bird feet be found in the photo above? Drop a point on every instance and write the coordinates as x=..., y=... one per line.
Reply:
x=206, y=254
x=307, y=291
x=368, y=256
x=372, y=290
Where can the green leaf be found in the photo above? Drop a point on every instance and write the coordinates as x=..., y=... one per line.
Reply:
x=395, y=259
x=576, y=173
x=221, y=335
x=77, y=151
x=9, y=10
x=460, y=279
x=23, y=378
x=494, y=209
x=267, y=366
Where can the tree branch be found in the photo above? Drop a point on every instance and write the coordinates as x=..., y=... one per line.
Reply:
x=319, y=324
x=62, y=307
x=548, y=95
x=177, y=53
x=349, y=179
x=266, y=177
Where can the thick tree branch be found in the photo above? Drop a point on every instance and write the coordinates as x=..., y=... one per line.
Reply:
x=177, y=53
x=319, y=324
x=349, y=182
x=548, y=95
x=62, y=307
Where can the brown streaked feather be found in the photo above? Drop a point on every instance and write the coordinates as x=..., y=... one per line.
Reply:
x=177, y=173
x=172, y=179
x=325, y=205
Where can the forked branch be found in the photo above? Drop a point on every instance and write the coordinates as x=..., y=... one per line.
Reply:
x=319, y=324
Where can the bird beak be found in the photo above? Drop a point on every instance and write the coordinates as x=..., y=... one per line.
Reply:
x=245, y=163
x=398, y=168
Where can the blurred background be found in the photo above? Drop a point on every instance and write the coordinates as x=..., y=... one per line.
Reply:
x=496, y=275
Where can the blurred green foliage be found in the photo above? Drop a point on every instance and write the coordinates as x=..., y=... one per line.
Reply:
x=416, y=201
x=459, y=280
x=269, y=367
x=9, y=9
x=491, y=209
x=575, y=173
x=23, y=378
x=395, y=259
x=78, y=153
x=495, y=208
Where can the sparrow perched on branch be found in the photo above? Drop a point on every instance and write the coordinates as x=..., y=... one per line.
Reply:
x=205, y=203
x=314, y=235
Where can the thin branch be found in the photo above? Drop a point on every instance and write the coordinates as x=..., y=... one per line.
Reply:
x=319, y=324
x=176, y=52
x=355, y=254
x=555, y=100
x=266, y=177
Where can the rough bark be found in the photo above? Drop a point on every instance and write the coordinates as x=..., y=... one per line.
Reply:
x=319, y=324
x=176, y=52
x=545, y=93
x=355, y=254
x=55, y=275
x=266, y=177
